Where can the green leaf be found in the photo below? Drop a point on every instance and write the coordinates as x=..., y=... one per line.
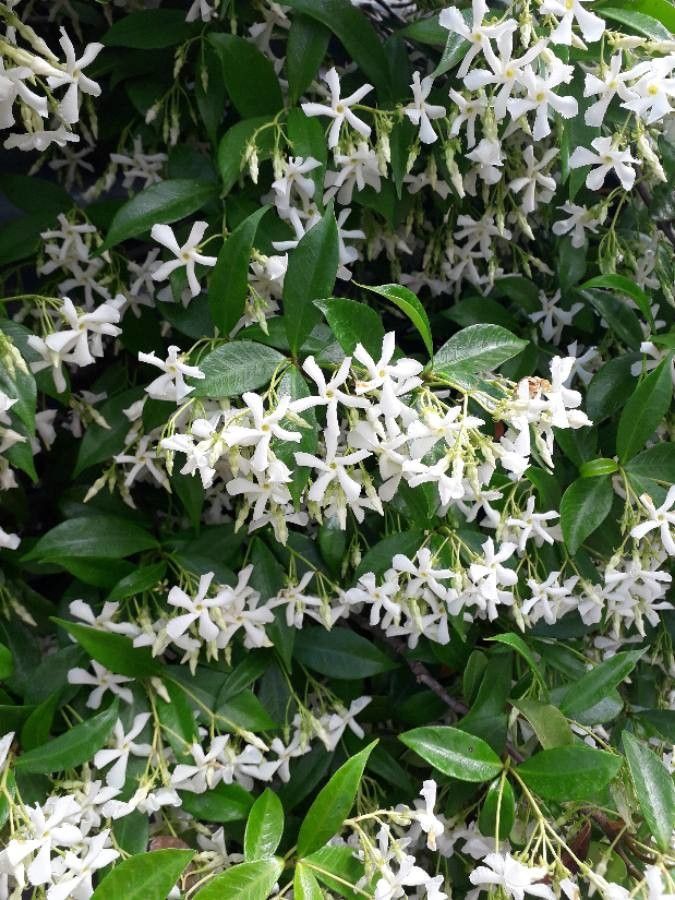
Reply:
x=617, y=314
x=264, y=828
x=336, y=867
x=35, y=195
x=225, y=803
x=408, y=303
x=600, y=466
x=310, y=276
x=149, y=29
x=114, y=651
x=246, y=881
x=644, y=411
x=249, y=76
x=455, y=49
x=637, y=21
x=569, y=773
x=353, y=323
x=454, y=752
x=584, y=507
x=340, y=653
x=654, y=788
x=138, y=582
x=147, y=876
x=228, y=287
x=473, y=350
x=624, y=286
x=548, y=723
x=232, y=147
x=498, y=811
x=18, y=383
x=6, y=662
x=657, y=462
x=662, y=10
x=596, y=684
x=236, y=367
x=378, y=559
x=510, y=639
x=354, y=30
x=162, y=203
x=76, y=746
x=610, y=387
x=305, y=885
x=102, y=537
x=305, y=50
x=333, y=804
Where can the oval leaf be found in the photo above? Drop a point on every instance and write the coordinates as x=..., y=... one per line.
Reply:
x=246, y=881
x=264, y=827
x=408, y=303
x=102, y=537
x=584, y=507
x=147, y=876
x=654, y=789
x=644, y=410
x=476, y=349
x=236, y=367
x=454, y=752
x=595, y=685
x=340, y=653
x=569, y=773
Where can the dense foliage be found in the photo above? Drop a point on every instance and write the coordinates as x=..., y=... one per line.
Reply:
x=338, y=506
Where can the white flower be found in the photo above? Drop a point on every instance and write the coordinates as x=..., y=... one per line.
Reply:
x=652, y=92
x=469, y=111
x=423, y=576
x=103, y=680
x=489, y=577
x=552, y=317
x=505, y=73
x=198, y=609
x=489, y=160
x=122, y=747
x=69, y=106
x=477, y=34
x=329, y=393
x=76, y=880
x=579, y=222
x=662, y=518
x=186, y=255
x=171, y=385
x=592, y=27
x=332, y=468
x=5, y=746
x=420, y=112
x=606, y=83
x=431, y=825
x=8, y=541
x=83, y=340
x=357, y=169
x=537, y=186
x=607, y=157
x=531, y=525
x=265, y=426
x=49, y=827
x=541, y=97
x=339, y=108
x=512, y=876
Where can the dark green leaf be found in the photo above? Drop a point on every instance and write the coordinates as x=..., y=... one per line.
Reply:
x=624, y=286
x=228, y=287
x=654, y=789
x=340, y=653
x=305, y=50
x=102, y=537
x=312, y=268
x=236, y=367
x=473, y=350
x=78, y=745
x=114, y=651
x=148, y=876
x=249, y=76
x=333, y=804
x=246, y=881
x=644, y=411
x=163, y=203
x=548, y=723
x=596, y=684
x=149, y=29
x=569, y=773
x=584, y=507
x=353, y=323
x=225, y=803
x=498, y=811
x=454, y=752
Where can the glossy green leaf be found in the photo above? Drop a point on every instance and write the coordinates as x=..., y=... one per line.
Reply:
x=6, y=662
x=264, y=828
x=474, y=350
x=228, y=287
x=102, y=537
x=638, y=21
x=332, y=804
x=76, y=746
x=584, y=507
x=498, y=812
x=513, y=640
x=624, y=286
x=139, y=581
x=569, y=773
x=236, y=367
x=340, y=653
x=305, y=885
x=307, y=44
x=149, y=29
x=225, y=803
x=147, y=876
x=353, y=323
x=233, y=144
x=409, y=304
x=245, y=881
x=454, y=752
x=596, y=684
x=311, y=273
x=644, y=411
x=163, y=203
x=114, y=651
x=657, y=462
x=249, y=75
x=654, y=788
